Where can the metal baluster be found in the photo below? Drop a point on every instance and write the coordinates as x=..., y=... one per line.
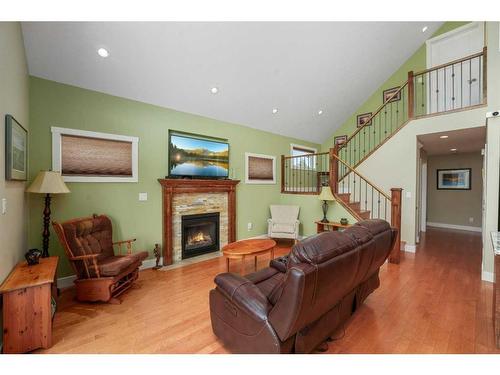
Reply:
x=479, y=62
x=470, y=82
x=445, y=104
x=453, y=86
x=461, y=85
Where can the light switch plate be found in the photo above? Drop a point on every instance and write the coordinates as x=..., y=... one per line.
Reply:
x=143, y=197
x=4, y=206
x=249, y=226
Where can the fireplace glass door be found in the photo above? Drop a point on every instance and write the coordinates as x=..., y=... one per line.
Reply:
x=200, y=234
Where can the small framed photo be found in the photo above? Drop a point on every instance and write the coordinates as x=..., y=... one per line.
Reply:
x=340, y=140
x=390, y=92
x=260, y=169
x=362, y=119
x=454, y=179
x=16, y=150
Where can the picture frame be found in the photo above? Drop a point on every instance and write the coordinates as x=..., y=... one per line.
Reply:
x=454, y=179
x=87, y=156
x=389, y=92
x=16, y=150
x=339, y=140
x=361, y=120
x=260, y=169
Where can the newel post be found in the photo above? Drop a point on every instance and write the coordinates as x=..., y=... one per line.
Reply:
x=396, y=223
x=283, y=173
x=411, y=97
x=334, y=169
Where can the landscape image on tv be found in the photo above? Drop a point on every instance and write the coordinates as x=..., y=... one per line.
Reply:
x=191, y=156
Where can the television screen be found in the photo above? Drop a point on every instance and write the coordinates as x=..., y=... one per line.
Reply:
x=198, y=157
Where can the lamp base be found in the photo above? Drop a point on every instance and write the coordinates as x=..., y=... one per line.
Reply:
x=325, y=210
x=46, y=231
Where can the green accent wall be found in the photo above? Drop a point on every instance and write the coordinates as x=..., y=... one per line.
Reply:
x=55, y=104
x=415, y=63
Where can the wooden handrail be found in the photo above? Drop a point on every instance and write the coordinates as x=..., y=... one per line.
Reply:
x=373, y=115
x=470, y=57
x=363, y=177
x=302, y=156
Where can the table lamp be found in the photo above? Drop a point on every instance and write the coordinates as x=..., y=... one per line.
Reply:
x=47, y=182
x=325, y=196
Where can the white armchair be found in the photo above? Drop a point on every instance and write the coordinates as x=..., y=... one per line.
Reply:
x=284, y=222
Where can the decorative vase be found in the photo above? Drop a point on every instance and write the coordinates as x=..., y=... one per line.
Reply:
x=33, y=256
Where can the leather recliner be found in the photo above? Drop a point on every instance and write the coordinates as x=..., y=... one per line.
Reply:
x=300, y=300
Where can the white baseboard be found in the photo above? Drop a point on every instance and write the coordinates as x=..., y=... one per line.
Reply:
x=66, y=282
x=410, y=248
x=487, y=276
x=453, y=226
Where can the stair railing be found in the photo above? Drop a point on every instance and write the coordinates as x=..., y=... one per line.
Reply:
x=454, y=86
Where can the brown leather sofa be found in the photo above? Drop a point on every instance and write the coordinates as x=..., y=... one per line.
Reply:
x=299, y=301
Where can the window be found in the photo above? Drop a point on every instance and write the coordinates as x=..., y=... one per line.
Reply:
x=85, y=156
x=303, y=161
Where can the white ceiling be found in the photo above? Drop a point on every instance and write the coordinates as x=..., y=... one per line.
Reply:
x=297, y=67
x=464, y=140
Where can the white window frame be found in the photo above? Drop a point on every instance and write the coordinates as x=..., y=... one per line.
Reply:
x=313, y=151
x=57, y=133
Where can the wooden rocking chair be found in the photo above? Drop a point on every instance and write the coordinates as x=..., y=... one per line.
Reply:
x=101, y=275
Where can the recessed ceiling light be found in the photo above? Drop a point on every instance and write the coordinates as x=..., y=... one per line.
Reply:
x=453, y=149
x=214, y=90
x=275, y=110
x=103, y=52
x=320, y=112
x=443, y=136
x=424, y=29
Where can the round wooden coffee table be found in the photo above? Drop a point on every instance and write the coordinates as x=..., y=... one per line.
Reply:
x=245, y=248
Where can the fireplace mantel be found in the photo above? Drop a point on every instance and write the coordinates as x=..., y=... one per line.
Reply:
x=171, y=186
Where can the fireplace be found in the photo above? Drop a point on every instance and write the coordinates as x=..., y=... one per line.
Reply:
x=200, y=234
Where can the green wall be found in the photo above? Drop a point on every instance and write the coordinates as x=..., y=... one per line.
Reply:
x=55, y=104
x=415, y=63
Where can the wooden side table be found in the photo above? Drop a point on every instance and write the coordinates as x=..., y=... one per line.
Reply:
x=322, y=227
x=252, y=247
x=27, y=293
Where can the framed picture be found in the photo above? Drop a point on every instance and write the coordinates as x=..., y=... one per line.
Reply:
x=454, y=179
x=86, y=156
x=260, y=169
x=362, y=119
x=341, y=139
x=16, y=150
x=389, y=92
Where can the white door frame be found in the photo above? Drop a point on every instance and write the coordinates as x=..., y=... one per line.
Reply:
x=423, y=196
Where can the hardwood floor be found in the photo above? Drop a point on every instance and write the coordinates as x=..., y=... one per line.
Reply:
x=433, y=302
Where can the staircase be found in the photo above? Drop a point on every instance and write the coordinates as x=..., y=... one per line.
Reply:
x=455, y=86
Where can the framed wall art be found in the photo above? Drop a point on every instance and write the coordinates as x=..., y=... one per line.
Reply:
x=454, y=179
x=339, y=140
x=86, y=156
x=362, y=119
x=16, y=150
x=260, y=169
x=389, y=92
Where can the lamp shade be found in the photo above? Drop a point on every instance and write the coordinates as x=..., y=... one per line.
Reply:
x=326, y=194
x=48, y=182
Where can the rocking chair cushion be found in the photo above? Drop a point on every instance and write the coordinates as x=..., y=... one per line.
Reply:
x=114, y=265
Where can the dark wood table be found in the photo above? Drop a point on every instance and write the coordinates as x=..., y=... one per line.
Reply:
x=245, y=248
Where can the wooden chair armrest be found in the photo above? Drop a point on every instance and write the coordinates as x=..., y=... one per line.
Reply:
x=124, y=241
x=129, y=245
x=82, y=257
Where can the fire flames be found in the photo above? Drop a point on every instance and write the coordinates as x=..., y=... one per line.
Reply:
x=199, y=237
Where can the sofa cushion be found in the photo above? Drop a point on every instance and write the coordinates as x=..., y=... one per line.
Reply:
x=90, y=236
x=270, y=282
x=114, y=265
x=322, y=247
x=283, y=228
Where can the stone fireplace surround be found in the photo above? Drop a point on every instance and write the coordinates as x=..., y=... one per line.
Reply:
x=192, y=196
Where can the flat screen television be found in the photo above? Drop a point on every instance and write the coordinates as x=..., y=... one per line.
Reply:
x=197, y=156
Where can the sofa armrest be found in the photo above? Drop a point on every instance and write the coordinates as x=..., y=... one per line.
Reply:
x=244, y=294
x=280, y=263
